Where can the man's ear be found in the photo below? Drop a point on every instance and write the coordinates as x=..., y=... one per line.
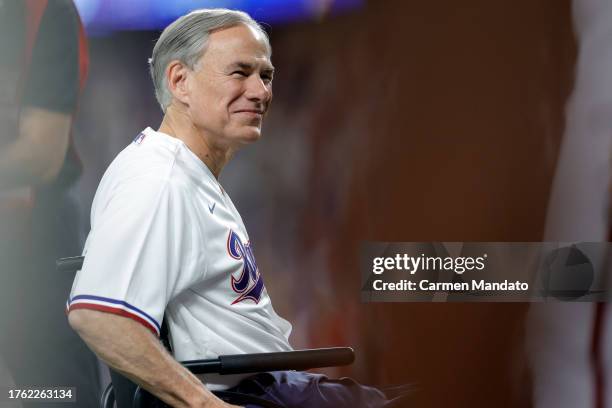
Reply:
x=177, y=75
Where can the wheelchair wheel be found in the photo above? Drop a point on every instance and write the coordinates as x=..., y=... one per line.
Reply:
x=108, y=397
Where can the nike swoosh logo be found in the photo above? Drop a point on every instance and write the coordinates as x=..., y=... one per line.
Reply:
x=212, y=208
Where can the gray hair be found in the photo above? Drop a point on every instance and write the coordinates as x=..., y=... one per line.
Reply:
x=185, y=40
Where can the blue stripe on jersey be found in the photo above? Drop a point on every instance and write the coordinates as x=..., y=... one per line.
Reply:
x=117, y=302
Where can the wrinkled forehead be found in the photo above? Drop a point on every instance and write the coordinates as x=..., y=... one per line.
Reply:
x=240, y=42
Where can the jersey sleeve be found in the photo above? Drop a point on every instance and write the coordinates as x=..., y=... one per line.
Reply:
x=53, y=81
x=139, y=253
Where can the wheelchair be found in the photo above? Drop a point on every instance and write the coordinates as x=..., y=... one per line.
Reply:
x=228, y=364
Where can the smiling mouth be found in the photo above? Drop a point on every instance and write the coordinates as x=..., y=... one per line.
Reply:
x=253, y=114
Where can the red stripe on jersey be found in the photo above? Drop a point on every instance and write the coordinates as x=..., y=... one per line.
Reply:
x=120, y=312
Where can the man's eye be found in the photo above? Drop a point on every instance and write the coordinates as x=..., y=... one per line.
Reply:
x=267, y=78
x=240, y=73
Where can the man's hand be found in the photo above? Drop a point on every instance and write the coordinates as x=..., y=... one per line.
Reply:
x=130, y=348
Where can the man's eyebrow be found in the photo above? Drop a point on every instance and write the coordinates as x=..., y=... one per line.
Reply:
x=248, y=66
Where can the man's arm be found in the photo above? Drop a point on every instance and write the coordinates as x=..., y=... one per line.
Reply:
x=40, y=140
x=37, y=155
x=131, y=349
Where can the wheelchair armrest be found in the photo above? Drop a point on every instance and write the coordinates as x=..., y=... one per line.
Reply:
x=284, y=360
x=71, y=264
x=260, y=362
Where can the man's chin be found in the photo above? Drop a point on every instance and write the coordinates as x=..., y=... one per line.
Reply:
x=242, y=135
x=250, y=136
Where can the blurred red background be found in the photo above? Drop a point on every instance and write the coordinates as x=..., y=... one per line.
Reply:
x=402, y=121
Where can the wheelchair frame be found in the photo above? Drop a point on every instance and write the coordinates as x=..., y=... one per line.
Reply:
x=231, y=364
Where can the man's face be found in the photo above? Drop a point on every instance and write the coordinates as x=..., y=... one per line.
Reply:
x=230, y=88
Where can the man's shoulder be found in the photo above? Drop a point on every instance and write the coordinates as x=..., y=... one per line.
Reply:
x=146, y=156
x=146, y=164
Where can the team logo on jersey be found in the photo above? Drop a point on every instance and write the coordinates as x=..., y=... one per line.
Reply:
x=250, y=284
x=138, y=139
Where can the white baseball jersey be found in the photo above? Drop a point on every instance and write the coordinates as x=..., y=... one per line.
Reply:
x=166, y=240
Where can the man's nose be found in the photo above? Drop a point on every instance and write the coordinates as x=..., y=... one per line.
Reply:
x=258, y=90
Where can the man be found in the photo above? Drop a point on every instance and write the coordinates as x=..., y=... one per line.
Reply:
x=42, y=69
x=166, y=240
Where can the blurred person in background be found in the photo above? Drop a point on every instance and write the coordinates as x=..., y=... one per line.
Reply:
x=569, y=343
x=43, y=60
